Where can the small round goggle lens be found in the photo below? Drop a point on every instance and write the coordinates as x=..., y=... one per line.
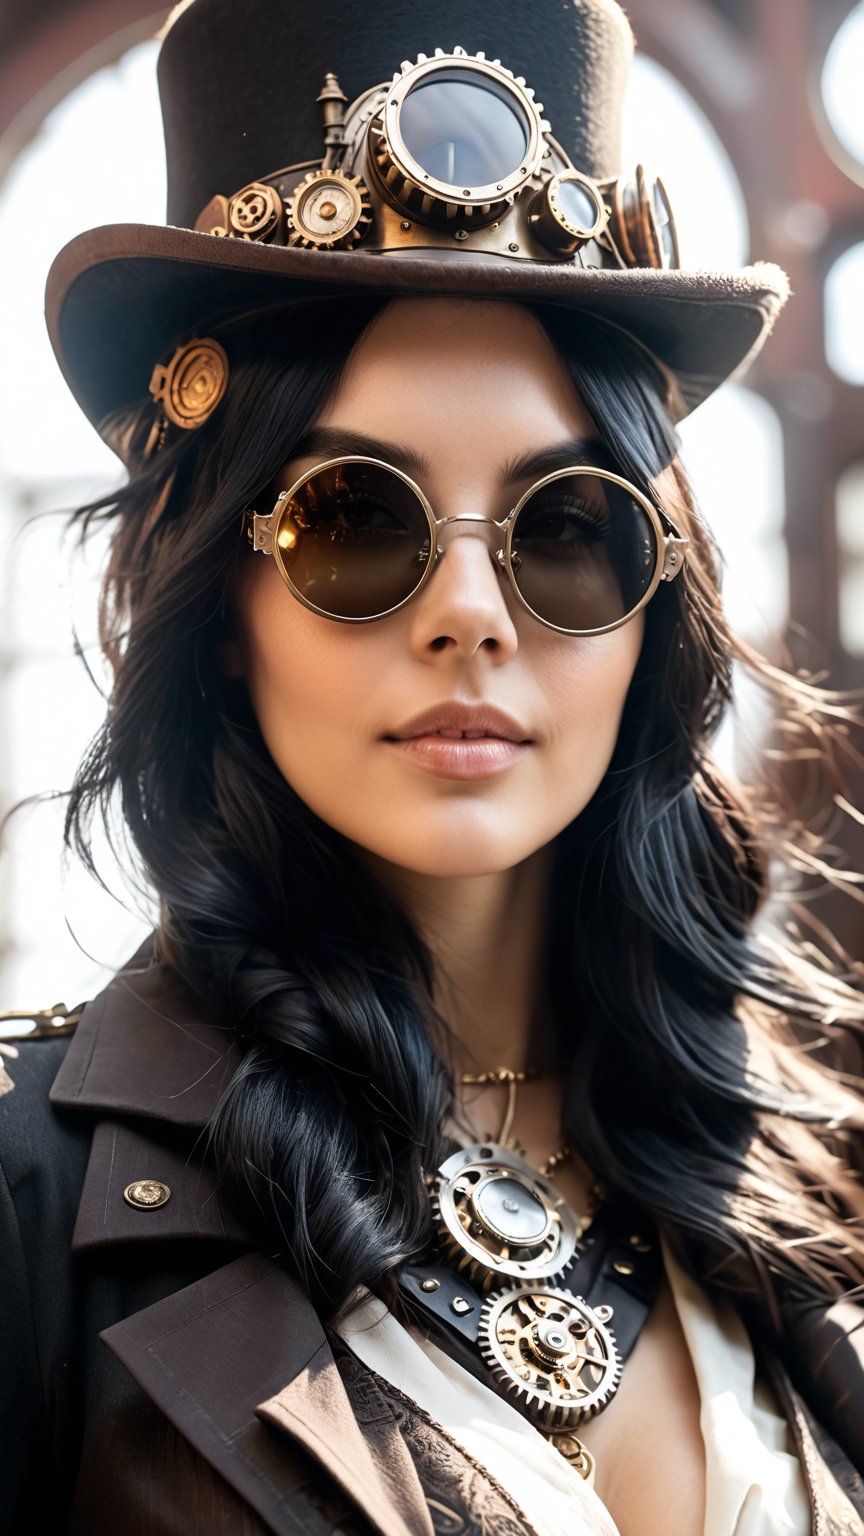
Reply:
x=355, y=541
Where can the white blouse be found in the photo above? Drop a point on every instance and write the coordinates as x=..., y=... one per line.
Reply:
x=754, y=1482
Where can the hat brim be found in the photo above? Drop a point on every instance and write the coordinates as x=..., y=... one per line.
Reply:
x=120, y=296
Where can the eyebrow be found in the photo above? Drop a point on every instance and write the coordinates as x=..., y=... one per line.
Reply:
x=334, y=442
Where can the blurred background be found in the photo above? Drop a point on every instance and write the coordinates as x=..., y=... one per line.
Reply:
x=753, y=113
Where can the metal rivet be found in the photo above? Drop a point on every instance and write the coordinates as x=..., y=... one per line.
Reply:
x=461, y=1306
x=512, y=246
x=146, y=1194
x=406, y=224
x=461, y=234
x=430, y=1285
x=640, y=1244
x=624, y=1266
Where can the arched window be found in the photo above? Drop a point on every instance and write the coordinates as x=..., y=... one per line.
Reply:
x=850, y=549
x=844, y=315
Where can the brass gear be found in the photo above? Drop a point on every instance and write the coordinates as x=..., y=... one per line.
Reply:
x=552, y=1352
x=329, y=210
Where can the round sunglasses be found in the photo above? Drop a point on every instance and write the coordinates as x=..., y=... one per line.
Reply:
x=355, y=539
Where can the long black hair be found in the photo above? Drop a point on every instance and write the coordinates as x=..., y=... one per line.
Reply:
x=694, y=1088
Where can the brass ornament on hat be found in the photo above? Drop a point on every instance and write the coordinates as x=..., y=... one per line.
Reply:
x=192, y=383
x=213, y=220
x=329, y=211
x=567, y=211
x=405, y=166
x=255, y=212
x=394, y=171
x=642, y=223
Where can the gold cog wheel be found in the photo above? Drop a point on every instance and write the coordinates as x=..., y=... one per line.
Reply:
x=551, y=1351
x=329, y=211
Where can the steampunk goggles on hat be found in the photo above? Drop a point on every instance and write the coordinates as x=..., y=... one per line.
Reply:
x=454, y=152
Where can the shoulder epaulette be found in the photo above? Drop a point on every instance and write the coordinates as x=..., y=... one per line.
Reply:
x=43, y=1023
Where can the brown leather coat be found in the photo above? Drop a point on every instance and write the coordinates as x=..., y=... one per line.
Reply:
x=163, y=1376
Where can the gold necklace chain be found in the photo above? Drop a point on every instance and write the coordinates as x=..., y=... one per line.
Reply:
x=507, y=1077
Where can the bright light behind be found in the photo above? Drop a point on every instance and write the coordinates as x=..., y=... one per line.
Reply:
x=844, y=315
x=841, y=83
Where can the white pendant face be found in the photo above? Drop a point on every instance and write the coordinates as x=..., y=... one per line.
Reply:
x=493, y=1207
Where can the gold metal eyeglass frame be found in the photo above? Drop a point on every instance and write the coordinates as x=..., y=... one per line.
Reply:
x=262, y=533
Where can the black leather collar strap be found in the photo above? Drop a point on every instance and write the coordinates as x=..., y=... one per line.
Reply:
x=618, y=1265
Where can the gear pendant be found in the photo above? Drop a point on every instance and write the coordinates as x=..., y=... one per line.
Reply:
x=496, y=1217
x=552, y=1352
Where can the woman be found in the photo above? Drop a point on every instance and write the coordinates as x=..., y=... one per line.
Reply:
x=457, y=1125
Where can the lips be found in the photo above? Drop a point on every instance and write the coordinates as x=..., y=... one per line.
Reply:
x=463, y=722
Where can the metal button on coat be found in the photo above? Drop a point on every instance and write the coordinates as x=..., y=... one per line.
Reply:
x=146, y=1194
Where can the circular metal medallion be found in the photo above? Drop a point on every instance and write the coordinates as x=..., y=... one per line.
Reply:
x=147, y=1194
x=493, y=1207
x=192, y=383
x=553, y=1351
x=329, y=210
x=255, y=212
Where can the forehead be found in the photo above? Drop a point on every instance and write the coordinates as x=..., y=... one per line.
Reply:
x=470, y=377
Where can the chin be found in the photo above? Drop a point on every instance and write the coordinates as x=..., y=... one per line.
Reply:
x=459, y=851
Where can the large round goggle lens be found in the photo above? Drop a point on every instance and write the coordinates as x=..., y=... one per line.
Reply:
x=583, y=552
x=353, y=540
x=463, y=129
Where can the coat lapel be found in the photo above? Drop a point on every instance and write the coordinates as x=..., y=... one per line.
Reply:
x=240, y=1365
x=143, y=1048
x=238, y=1361
x=125, y=1153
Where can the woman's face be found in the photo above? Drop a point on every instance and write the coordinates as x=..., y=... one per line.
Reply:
x=366, y=721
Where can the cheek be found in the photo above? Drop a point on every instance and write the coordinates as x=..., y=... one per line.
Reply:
x=307, y=679
x=586, y=682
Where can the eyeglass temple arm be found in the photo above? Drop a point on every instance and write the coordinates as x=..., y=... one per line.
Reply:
x=259, y=530
x=673, y=552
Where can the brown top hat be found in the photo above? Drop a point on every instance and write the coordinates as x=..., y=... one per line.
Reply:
x=316, y=150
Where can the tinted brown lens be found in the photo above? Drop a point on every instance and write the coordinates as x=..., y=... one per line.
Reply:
x=584, y=552
x=354, y=540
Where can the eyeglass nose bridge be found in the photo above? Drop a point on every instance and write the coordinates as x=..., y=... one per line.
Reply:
x=493, y=531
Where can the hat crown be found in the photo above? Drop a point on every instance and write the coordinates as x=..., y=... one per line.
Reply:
x=239, y=82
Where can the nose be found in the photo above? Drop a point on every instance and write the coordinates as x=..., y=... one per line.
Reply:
x=463, y=607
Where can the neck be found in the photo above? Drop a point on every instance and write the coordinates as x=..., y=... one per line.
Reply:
x=487, y=936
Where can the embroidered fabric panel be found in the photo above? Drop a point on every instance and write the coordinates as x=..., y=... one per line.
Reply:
x=462, y=1498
